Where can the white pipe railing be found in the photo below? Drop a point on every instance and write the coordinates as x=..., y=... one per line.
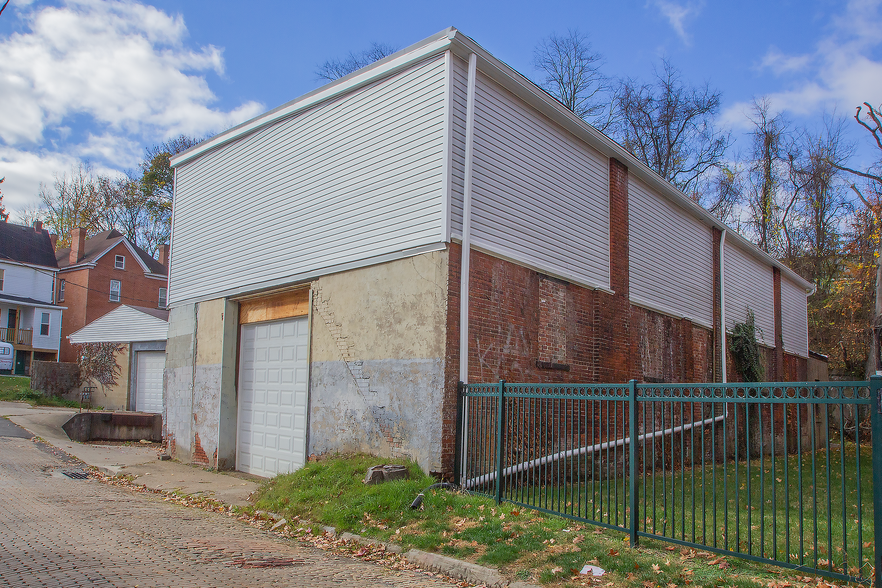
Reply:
x=540, y=461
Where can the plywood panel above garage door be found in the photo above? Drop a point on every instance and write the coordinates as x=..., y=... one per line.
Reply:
x=284, y=305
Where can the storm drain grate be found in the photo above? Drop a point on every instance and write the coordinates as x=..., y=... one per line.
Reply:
x=77, y=475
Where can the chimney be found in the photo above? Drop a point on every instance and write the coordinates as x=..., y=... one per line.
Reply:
x=38, y=226
x=162, y=253
x=54, y=238
x=77, y=245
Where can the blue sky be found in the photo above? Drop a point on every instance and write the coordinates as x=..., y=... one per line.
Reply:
x=100, y=81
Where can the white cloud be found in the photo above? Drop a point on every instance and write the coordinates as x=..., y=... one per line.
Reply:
x=781, y=63
x=121, y=63
x=838, y=75
x=25, y=172
x=677, y=15
x=116, y=150
x=117, y=73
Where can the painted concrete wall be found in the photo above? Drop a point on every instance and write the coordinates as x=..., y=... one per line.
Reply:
x=200, y=395
x=111, y=397
x=377, y=360
x=177, y=413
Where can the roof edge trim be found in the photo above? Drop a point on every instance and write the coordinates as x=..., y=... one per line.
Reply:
x=399, y=60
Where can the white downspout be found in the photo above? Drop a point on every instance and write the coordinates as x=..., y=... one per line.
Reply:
x=723, y=306
x=467, y=225
x=466, y=247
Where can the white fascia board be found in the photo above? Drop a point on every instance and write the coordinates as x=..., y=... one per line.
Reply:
x=79, y=266
x=400, y=60
x=542, y=101
x=131, y=250
x=297, y=279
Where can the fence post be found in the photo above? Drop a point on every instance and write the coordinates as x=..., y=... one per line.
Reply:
x=500, y=408
x=876, y=442
x=459, y=431
x=632, y=458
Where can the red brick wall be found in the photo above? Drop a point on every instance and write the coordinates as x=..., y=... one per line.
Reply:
x=85, y=305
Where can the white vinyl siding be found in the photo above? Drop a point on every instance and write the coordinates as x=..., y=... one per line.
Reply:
x=27, y=282
x=670, y=256
x=540, y=196
x=794, y=318
x=345, y=181
x=31, y=318
x=749, y=284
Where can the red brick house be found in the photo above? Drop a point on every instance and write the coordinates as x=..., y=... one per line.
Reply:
x=99, y=274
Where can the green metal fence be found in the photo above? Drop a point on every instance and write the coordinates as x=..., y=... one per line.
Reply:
x=782, y=473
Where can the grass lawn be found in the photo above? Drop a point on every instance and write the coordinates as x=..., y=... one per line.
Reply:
x=522, y=543
x=18, y=389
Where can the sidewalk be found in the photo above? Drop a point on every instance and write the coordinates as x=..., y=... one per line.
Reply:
x=142, y=463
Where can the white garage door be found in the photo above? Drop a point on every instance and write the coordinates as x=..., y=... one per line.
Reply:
x=148, y=381
x=272, y=397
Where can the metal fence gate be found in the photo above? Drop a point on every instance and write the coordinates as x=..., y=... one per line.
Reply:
x=783, y=473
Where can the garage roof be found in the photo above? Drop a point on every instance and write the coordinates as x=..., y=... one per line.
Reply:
x=125, y=324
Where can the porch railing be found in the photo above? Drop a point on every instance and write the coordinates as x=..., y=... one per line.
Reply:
x=782, y=473
x=16, y=336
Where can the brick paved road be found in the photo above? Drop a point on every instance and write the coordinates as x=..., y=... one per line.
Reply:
x=57, y=531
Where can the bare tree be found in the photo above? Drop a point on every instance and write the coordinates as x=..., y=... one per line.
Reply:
x=823, y=202
x=670, y=127
x=74, y=202
x=571, y=73
x=767, y=169
x=333, y=69
x=872, y=184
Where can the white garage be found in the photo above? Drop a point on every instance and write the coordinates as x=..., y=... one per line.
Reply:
x=141, y=335
x=148, y=381
x=273, y=396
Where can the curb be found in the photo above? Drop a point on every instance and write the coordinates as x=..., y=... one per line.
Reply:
x=458, y=569
x=462, y=570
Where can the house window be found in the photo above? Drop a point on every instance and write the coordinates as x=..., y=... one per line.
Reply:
x=120, y=262
x=44, y=324
x=163, y=295
x=61, y=290
x=1, y=278
x=114, y=290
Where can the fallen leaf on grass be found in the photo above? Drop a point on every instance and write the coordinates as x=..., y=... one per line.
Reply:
x=656, y=568
x=613, y=552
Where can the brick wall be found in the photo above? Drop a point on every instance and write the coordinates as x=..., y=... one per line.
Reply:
x=87, y=293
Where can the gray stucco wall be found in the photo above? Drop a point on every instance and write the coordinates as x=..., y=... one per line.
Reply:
x=178, y=382
x=377, y=345
x=377, y=360
x=200, y=407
